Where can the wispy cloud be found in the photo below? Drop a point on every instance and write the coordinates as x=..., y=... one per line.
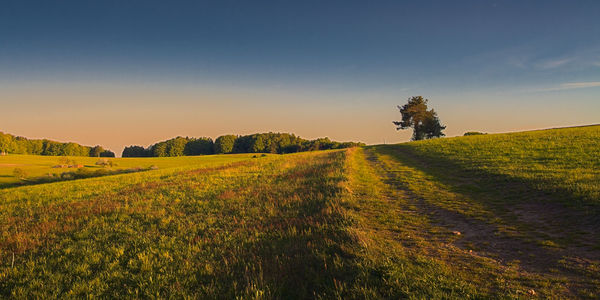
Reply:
x=578, y=85
x=533, y=58
x=554, y=63
x=571, y=86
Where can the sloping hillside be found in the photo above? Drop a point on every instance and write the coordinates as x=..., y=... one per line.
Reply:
x=510, y=213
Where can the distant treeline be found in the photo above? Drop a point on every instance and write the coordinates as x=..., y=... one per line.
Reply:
x=20, y=145
x=254, y=143
x=474, y=133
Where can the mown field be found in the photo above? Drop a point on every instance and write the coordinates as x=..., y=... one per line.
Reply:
x=495, y=216
x=36, y=165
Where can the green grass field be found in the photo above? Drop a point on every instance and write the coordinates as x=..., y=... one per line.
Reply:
x=35, y=165
x=495, y=216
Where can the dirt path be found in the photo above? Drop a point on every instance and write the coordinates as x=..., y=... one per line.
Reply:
x=484, y=236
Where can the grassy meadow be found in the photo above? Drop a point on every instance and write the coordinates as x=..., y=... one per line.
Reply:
x=493, y=216
x=36, y=165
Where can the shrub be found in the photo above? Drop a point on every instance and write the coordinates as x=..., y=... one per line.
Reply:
x=473, y=133
x=102, y=162
x=106, y=163
x=63, y=160
x=19, y=173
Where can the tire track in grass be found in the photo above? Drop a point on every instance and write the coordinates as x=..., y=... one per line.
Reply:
x=400, y=254
x=484, y=235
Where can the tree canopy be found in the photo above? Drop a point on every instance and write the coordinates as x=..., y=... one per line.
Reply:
x=178, y=146
x=253, y=143
x=424, y=122
x=136, y=151
x=224, y=144
x=20, y=145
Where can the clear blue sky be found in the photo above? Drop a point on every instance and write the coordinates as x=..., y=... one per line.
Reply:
x=316, y=68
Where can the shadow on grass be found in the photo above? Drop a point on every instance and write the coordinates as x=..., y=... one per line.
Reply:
x=304, y=251
x=503, y=189
x=71, y=175
x=540, y=215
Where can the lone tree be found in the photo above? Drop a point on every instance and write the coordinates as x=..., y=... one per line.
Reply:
x=425, y=123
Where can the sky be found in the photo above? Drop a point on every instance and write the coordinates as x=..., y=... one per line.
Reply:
x=120, y=73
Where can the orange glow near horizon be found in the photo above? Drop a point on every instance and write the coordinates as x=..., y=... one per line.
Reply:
x=118, y=116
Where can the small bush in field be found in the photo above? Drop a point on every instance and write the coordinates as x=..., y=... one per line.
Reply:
x=106, y=163
x=102, y=162
x=19, y=173
x=63, y=160
x=474, y=133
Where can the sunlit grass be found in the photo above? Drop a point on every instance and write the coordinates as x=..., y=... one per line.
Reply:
x=564, y=161
x=495, y=216
x=523, y=207
x=37, y=165
x=263, y=227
